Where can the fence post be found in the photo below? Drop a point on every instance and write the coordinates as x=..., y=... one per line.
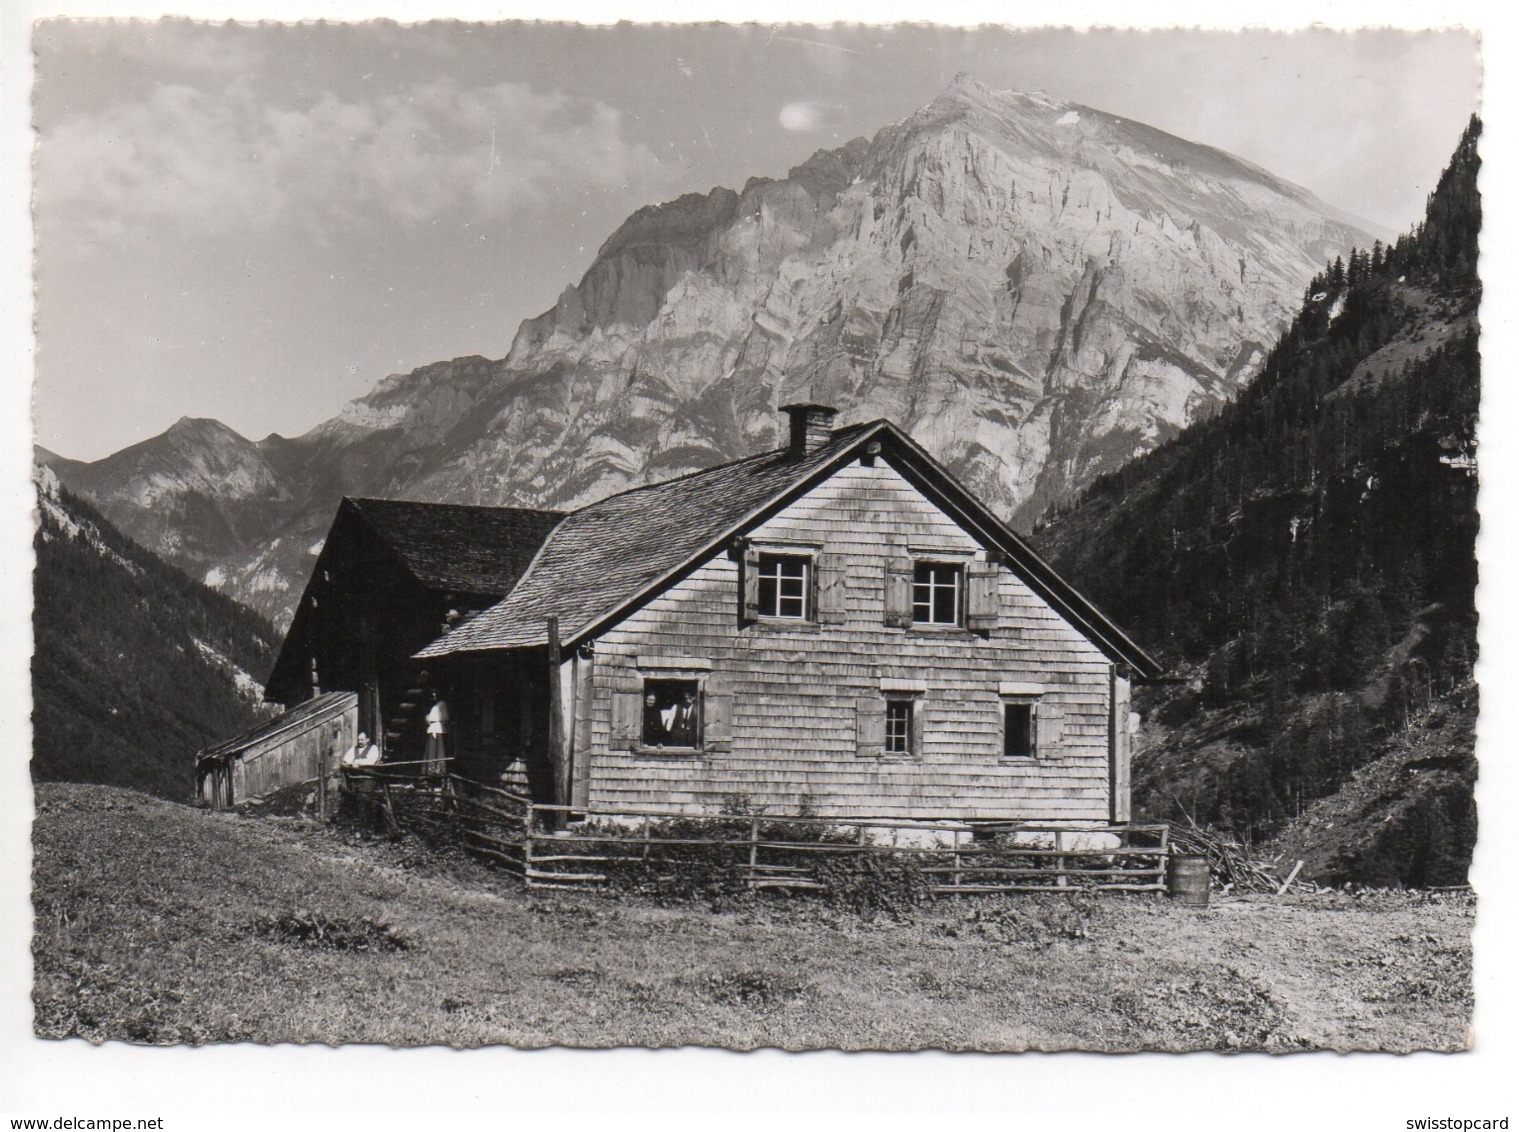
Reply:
x=558, y=743
x=1061, y=880
x=527, y=845
x=955, y=877
x=753, y=849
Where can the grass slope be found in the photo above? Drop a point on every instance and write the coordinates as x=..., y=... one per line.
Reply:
x=159, y=923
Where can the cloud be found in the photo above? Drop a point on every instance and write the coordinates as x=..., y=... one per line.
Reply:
x=231, y=160
x=810, y=115
x=168, y=46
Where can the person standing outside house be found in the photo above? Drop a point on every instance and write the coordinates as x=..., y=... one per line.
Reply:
x=435, y=761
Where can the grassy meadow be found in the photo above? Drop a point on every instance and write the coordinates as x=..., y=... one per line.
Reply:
x=157, y=923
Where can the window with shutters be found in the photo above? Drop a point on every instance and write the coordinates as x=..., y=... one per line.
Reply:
x=791, y=587
x=941, y=594
x=672, y=712
x=785, y=586
x=890, y=725
x=938, y=593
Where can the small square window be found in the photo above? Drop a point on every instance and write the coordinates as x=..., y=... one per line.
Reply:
x=1019, y=739
x=898, y=727
x=785, y=586
x=938, y=593
x=672, y=715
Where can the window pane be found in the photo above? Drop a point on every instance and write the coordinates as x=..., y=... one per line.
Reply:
x=1018, y=733
x=899, y=727
x=671, y=713
x=783, y=585
x=936, y=593
x=768, y=595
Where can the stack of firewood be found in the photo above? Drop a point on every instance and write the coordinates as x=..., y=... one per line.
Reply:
x=1230, y=863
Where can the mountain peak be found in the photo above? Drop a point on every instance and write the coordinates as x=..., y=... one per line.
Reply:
x=967, y=91
x=201, y=428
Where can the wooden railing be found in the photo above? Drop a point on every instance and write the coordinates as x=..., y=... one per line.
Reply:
x=577, y=847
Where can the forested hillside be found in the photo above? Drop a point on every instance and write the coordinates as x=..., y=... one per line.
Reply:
x=136, y=666
x=1304, y=561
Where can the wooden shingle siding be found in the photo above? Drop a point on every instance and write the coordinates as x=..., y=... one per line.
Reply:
x=793, y=695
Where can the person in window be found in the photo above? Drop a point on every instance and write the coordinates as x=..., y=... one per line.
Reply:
x=655, y=733
x=682, y=722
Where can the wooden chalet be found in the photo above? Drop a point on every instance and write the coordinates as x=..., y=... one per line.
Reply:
x=390, y=577
x=837, y=626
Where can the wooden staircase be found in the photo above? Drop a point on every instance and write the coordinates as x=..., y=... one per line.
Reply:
x=404, y=719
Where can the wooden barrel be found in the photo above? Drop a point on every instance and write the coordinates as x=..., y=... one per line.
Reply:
x=1187, y=879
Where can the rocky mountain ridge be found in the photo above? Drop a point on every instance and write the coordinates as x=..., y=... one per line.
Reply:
x=1035, y=290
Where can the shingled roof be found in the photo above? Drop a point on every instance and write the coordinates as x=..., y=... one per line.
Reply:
x=300, y=718
x=611, y=556
x=449, y=546
x=615, y=549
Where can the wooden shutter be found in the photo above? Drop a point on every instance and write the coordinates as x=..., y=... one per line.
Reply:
x=717, y=716
x=917, y=728
x=1049, y=729
x=627, y=714
x=898, y=597
x=981, y=608
x=749, y=584
x=829, y=588
x=870, y=726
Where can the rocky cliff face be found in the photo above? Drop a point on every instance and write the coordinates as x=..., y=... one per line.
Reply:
x=1036, y=290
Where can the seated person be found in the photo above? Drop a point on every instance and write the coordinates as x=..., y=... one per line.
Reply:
x=364, y=752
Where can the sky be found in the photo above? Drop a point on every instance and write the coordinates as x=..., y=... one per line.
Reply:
x=258, y=222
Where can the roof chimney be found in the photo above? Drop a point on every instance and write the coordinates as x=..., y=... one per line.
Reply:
x=811, y=428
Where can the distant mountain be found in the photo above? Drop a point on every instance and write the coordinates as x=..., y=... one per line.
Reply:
x=136, y=666
x=1305, y=561
x=1036, y=290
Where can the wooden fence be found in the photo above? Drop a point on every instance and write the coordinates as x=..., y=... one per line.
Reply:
x=539, y=843
x=488, y=822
